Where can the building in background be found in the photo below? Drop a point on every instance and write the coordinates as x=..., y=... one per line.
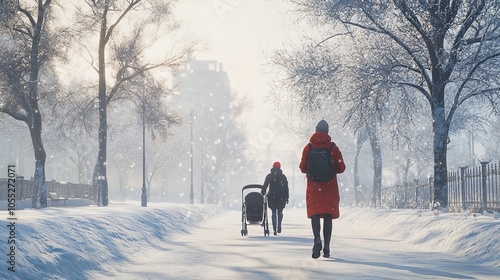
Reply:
x=205, y=101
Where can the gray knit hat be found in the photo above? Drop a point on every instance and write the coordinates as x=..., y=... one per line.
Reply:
x=322, y=126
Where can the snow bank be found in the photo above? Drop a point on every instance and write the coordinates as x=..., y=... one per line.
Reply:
x=474, y=236
x=59, y=241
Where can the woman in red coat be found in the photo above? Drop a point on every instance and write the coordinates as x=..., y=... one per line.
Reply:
x=322, y=198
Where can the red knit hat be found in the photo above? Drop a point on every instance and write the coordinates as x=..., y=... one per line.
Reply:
x=277, y=164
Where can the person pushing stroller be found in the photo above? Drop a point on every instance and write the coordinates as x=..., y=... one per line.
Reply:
x=277, y=196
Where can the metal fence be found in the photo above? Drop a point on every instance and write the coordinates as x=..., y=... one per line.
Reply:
x=474, y=189
x=24, y=189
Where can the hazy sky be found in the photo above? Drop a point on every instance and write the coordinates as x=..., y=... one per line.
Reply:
x=240, y=34
x=237, y=33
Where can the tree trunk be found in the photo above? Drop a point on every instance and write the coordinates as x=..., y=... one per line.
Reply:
x=406, y=170
x=377, y=165
x=34, y=116
x=39, y=197
x=440, y=134
x=357, y=185
x=100, y=179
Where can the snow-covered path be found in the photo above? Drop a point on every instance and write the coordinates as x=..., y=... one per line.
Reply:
x=216, y=250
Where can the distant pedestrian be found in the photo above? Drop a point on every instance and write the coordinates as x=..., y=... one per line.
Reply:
x=277, y=196
x=322, y=161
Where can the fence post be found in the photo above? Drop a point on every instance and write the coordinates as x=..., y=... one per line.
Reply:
x=462, y=186
x=484, y=183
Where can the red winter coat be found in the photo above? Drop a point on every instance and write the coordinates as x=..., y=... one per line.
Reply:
x=322, y=197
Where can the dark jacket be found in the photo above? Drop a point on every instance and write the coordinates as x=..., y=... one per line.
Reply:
x=278, y=189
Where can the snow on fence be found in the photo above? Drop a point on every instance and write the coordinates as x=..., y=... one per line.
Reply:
x=472, y=189
x=24, y=189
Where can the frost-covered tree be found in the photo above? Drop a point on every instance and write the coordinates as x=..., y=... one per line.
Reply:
x=446, y=52
x=312, y=76
x=492, y=144
x=70, y=129
x=29, y=43
x=127, y=32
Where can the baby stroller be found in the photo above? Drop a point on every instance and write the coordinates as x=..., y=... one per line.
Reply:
x=253, y=210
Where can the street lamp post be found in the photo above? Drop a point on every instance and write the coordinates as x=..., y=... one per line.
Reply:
x=191, y=194
x=202, y=179
x=144, y=196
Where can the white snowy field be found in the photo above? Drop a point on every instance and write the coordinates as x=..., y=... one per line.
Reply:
x=180, y=241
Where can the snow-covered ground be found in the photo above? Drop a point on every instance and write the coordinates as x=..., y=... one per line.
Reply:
x=179, y=241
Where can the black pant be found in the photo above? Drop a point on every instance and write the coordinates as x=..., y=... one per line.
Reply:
x=327, y=229
x=276, y=214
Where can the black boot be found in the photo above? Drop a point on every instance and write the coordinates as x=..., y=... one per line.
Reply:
x=326, y=253
x=316, y=248
x=316, y=227
x=327, y=234
x=326, y=247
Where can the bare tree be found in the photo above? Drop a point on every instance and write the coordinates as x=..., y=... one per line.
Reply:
x=446, y=51
x=311, y=76
x=28, y=45
x=354, y=89
x=492, y=144
x=123, y=27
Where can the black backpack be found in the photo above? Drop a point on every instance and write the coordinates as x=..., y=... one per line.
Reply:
x=277, y=187
x=319, y=164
